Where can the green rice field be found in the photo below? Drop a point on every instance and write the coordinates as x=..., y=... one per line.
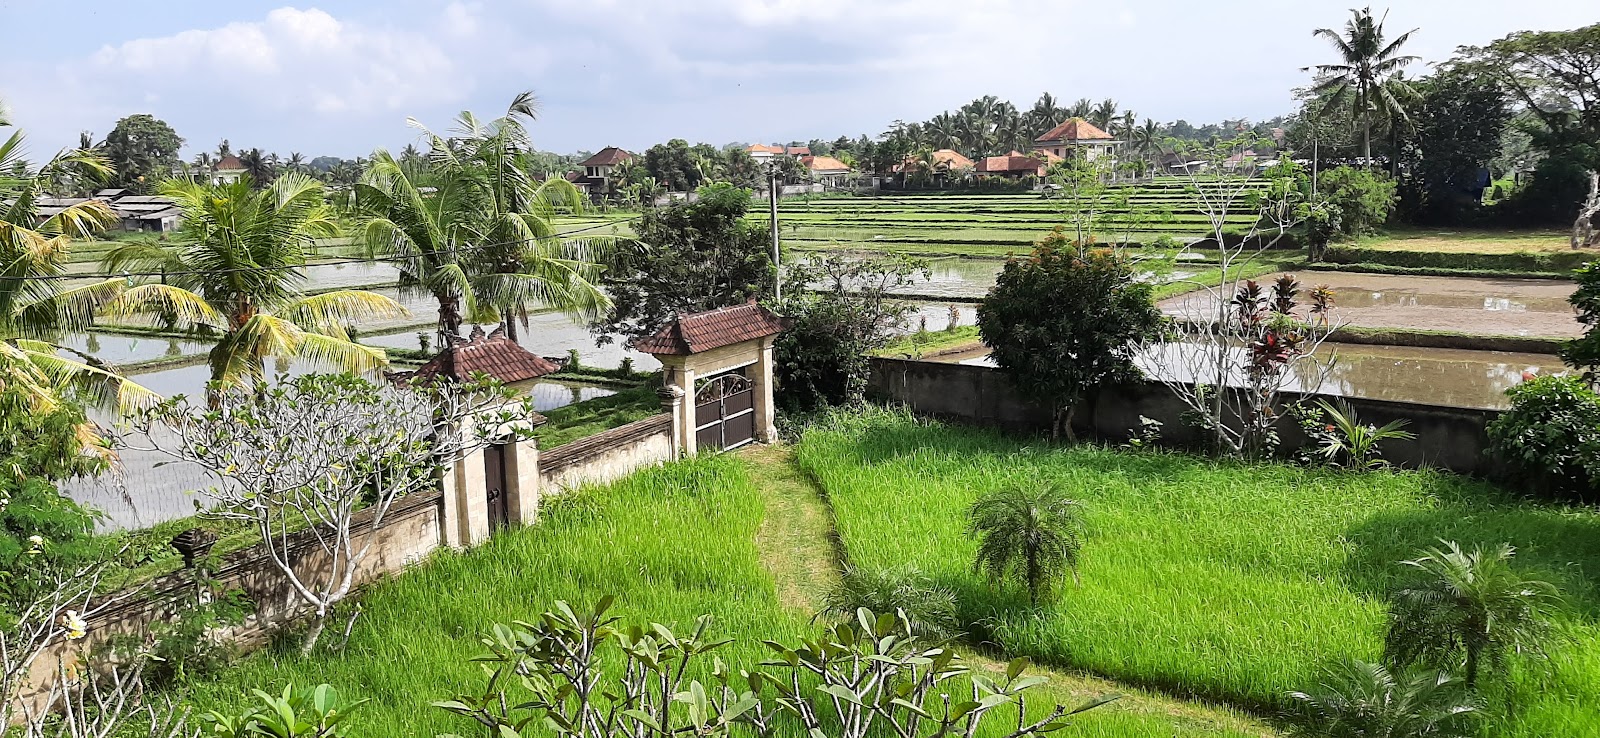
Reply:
x=1206, y=578
x=671, y=543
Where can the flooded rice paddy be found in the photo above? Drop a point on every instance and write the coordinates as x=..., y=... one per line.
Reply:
x=1506, y=307
x=1452, y=377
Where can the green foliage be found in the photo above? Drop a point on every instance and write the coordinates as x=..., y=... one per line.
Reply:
x=840, y=309
x=1367, y=80
x=1470, y=609
x=1032, y=533
x=318, y=712
x=584, y=419
x=690, y=257
x=1229, y=581
x=1359, y=699
x=1550, y=438
x=1361, y=199
x=144, y=150
x=1341, y=439
x=1063, y=321
x=929, y=608
x=1459, y=126
x=1584, y=353
x=39, y=526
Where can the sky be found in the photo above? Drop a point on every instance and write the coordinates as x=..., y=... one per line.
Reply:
x=342, y=77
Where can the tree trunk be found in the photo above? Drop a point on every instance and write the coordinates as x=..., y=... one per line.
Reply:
x=1584, y=234
x=449, y=318
x=1472, y=668
x=317, y=626
x=1366, y=141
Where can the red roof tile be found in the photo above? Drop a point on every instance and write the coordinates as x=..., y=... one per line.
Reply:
x=609, y=156
x=1075, y=129
x=1012, y=162
x=699, y=332
x=763, y=149
x=494, y=354
x=230, y=163
x=824, y=164
x=798, y=151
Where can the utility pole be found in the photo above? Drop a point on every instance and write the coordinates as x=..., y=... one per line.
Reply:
x=772, y=203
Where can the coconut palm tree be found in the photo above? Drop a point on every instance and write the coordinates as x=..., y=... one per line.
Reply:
x=944, y=131
x=1104, y=115
x=1045, y=114
x=518, y=258
x=1469, y=608
x=35, y=303
x=1083, y=108
x=1033, y=533
x=1366, y=78
x=296, y=163
x=238, y=267
x=1357, y=699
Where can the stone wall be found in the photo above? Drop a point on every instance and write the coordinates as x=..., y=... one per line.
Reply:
x=607, y=456
x=1447, y=437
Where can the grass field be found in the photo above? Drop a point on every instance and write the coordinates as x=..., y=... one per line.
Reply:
x=672, y=543
x=1464, y=241
x=1226, y=581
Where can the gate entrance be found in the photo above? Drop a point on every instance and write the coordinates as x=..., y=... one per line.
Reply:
x=494, y=481
x=725, y=412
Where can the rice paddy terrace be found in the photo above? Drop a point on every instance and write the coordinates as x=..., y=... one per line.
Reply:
x=994, y=225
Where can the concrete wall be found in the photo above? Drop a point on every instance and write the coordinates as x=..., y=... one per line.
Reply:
x=607, y=456
x=1447, y=437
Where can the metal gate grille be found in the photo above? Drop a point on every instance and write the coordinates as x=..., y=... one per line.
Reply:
x=725, y=413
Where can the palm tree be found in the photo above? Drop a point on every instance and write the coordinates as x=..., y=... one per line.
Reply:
x=1033, y=533
x=1361, y=700
x=1045, y=114
x=1104, y=114
x=34, y=303
x=1468, y=606
x=237, y=268
x=944, y=131
x=1366, y=78
x=1147, y=140
x=483, y=243
x=1083, y=108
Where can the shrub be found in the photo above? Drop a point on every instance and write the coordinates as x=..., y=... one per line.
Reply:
x=929, y=609
x=1584, y=353
x=1064, y=321
x=1551, y=434
x=1362, y=198
x=1357, y=699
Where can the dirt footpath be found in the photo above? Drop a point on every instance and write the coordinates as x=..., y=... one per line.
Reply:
x=1502, y=307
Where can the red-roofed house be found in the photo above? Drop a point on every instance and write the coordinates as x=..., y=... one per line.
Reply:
x=1077, y=137
x=599, y=170
x=494, y=354
x=797, y=150
x=227, y=170
x=762, y=152
x=1016, y=165
x=944, y=160
x=825, y=169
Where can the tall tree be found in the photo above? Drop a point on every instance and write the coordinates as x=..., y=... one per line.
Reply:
x=143, y=150
x=689, y=257
x=238, y=268
x=1366, y=79
x=1460, y=123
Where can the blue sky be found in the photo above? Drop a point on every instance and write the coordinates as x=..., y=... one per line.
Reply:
x=342, y=77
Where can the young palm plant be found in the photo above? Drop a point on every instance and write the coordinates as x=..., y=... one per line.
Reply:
x=1347, y=441
x=238, y=267
x=1468, y=609
x=1033, y=533
x=35, y=302
x=1357, y=699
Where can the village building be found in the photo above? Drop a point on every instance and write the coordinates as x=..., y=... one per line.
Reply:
x=1016, y=165
x=827, y=170
x=597, y=172
x=228, y=170
x=1077, y=137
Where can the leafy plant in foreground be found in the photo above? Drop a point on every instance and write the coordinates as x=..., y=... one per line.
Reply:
x=1357, y=699
x=1033, y=533
x=867, y=675
x=318, y=712
x=1468, y=608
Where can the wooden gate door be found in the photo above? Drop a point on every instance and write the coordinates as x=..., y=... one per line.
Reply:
x=494, y=481
x=725, y=413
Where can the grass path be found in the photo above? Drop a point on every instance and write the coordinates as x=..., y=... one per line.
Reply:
x=799, y=547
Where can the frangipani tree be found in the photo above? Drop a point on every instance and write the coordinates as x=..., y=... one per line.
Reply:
x=238, y=269
x=299, y=460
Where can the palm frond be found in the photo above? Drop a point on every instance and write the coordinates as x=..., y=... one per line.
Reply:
x=164, y=300
x=330, y=312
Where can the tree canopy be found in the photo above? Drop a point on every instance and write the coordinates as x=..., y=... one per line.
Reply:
x=143, y=150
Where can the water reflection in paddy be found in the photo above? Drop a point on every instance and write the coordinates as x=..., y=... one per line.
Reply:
x=117, y=349
x=1451, y=377
x=546, y=334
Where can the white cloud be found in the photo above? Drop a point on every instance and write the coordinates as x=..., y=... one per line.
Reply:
x=461, y=19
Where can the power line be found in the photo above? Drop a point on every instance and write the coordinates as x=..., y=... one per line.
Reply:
x=328, y=262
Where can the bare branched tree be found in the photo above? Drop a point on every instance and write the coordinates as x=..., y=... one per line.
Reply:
x=76, y=696
x=301, y=459
x=1230, y=333
x=1584, y=233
